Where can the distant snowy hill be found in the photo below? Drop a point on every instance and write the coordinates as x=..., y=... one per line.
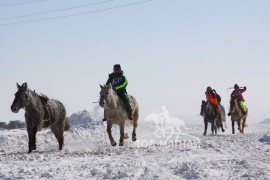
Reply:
x=266, y=121
x=83, y=119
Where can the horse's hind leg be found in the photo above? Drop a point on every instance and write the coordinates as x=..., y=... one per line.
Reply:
x=59, y=134
x=243, y=124
x=233, y=131
x=221, y=124
x=109, y=131
x=122, y=134
x=32, y=131
x=126, y=136
x=135, y=124
x=205, y=127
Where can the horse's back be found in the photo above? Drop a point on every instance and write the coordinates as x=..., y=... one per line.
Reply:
x=133, y=102
x=56, y=109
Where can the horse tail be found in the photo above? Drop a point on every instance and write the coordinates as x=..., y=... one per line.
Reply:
x=67, y=124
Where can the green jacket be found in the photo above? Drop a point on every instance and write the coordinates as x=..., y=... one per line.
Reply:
x=118, y=81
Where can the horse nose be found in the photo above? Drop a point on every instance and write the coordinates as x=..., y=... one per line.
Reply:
x=13, y=109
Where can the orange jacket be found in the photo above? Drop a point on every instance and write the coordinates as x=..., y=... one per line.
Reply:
x=212, y=98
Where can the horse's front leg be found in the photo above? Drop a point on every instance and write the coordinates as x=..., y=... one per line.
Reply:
x=109, y=131
x=32, y=131
x=212, y=127
x=122, y=134
x=239, y=125
x=233, y=130
x=205, y=126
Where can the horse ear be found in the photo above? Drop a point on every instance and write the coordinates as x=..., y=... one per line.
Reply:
x=24, y=86
x=110, y=85
x=101, y=86
x=18, y=86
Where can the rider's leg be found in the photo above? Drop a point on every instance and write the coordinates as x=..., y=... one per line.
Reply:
x=125, y=99
x=243, y=107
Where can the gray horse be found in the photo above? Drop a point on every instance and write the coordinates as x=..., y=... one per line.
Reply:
x=209, y=114
x=116, y=113
x=40, y=112
x=238, y=116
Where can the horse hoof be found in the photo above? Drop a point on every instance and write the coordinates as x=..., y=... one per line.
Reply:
x=223, y=130
x=31, y=148
x=204, y=134
x=113, y=143
x=121, y=144
x=126, y=136
x=233, y=132
x=29, y=151
x=134, y=138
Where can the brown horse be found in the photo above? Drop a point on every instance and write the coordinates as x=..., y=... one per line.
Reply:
x=40, y=112
x=238, y=115
x=116, y=113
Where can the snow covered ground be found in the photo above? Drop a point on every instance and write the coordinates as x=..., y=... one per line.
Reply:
x=88, y=155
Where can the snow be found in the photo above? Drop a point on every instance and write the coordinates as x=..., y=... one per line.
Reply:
x=265, y=122
x=88, y=154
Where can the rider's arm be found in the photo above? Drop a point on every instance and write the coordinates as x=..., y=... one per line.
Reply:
x=243, y=90
x=123, y=84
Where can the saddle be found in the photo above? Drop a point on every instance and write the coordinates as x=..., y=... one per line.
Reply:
x=44, y=98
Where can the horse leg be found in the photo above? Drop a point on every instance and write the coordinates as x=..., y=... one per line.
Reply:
x=221, y=124
x=59, y=135
x=109, y=131
x=32, y=138
x=212, y=127
x=205, y=127
x=243, y=124
x=135, y=124
x=122, y=134
x=239, y=125
x=233, y=131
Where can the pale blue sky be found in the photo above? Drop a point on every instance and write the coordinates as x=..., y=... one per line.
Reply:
x=170, y=50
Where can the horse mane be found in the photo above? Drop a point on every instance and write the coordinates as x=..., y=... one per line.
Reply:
x=44, y=98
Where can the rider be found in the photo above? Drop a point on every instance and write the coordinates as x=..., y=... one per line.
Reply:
x=237, y=94
x=119, y=83
x=212, y=97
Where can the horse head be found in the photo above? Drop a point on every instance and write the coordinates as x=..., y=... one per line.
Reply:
x=22, y=98
x=206, y=109
x=235, y=107
x=203, y=108
x=107, y=95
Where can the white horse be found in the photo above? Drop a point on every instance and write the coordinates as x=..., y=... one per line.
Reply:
x=116, y=113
